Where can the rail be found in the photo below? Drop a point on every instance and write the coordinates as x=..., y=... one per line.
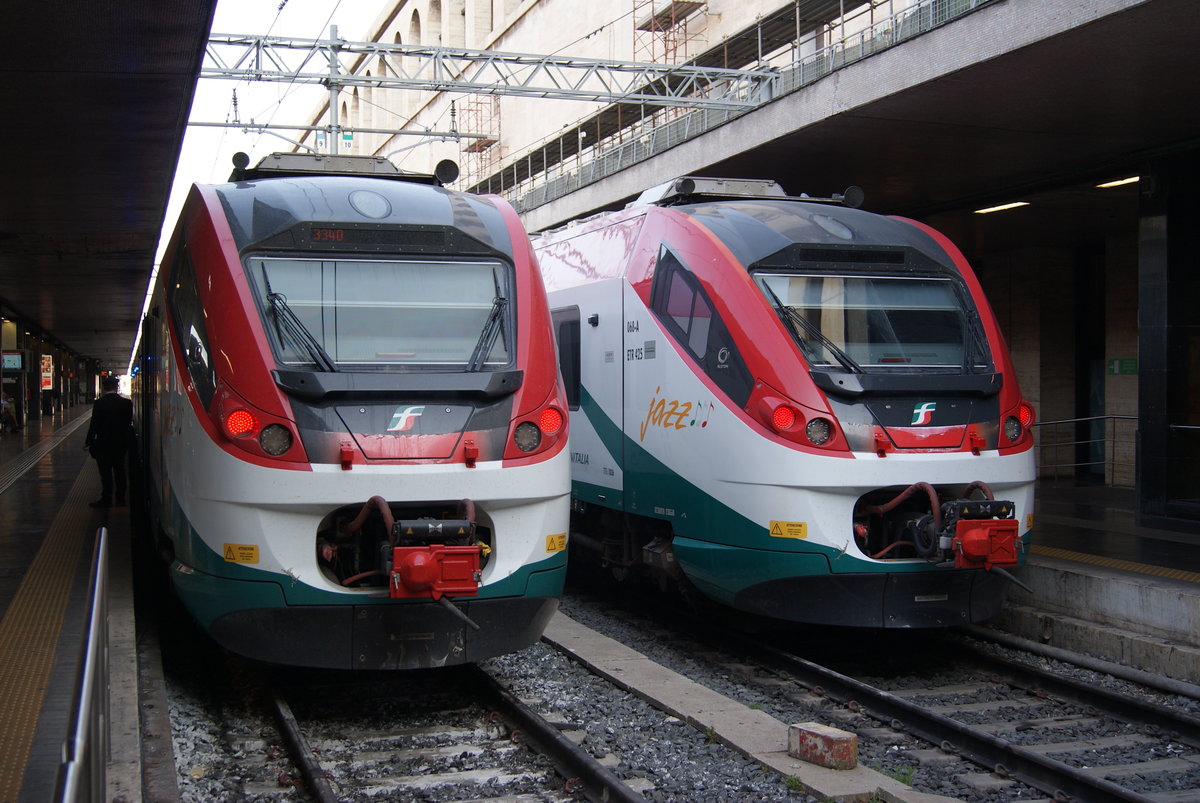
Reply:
x=81, y=775
x=1099, y=444
x=666, y=129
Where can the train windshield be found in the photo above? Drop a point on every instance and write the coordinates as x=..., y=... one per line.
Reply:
x=358, y=314
x=878, y=323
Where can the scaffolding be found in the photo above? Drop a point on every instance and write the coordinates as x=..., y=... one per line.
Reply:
x=661, y=30
x=480, y=113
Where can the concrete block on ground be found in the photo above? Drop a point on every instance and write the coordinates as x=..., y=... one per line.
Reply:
x=823, y=745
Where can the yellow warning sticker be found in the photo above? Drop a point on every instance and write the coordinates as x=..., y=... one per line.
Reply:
x=789, y=529
x=1029, y=521
x=241, y=553
x=556, y=543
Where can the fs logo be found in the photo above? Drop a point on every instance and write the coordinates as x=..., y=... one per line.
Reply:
x=923, y=413
x=403, y=419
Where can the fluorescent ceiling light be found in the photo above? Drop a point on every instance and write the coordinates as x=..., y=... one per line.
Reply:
x=1001, y=207
x=1118, y=183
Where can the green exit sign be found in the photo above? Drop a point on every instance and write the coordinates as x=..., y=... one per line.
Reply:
x=1122, y=366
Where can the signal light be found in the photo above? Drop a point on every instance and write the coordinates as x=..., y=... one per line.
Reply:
x=1026, y=414
x=550, y=421
x=241, y=423
x=258, y=432
x=794, y=421
x=530, y=436
x=783, y=417
x=1016, y=425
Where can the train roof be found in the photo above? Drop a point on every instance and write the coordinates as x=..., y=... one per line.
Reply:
x=755, y=230
x=690, y=189
x=278, y=206
x=763, y=227
x=289, y=165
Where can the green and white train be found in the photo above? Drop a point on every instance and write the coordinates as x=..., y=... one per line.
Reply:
x=795, y=407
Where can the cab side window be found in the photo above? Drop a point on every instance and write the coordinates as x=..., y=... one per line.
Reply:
x=188, y=320
x=680, y=302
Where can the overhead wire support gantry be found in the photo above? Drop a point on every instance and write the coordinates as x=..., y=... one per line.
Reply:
x=456, y=69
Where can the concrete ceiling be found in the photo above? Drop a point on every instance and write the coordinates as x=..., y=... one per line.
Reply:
x=98, y=97
x=1094, y=103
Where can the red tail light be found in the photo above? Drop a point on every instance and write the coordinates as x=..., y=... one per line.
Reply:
x=241, y=423
x=550, y=421
x=794, y=421
x=1018, y=422
x=783, y=417
x=252, y=429
x=538, y=432
x=1026, y=415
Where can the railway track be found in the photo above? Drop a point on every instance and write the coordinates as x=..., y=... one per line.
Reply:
x=1001, y=728
x=1071, y=740
x=997, y=731
x=436, y=735
x=464, y=737
x=454, y=734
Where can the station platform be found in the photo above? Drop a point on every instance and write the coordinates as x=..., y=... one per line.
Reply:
x=1099, y=584
x=1102, y=585
x=48, y=536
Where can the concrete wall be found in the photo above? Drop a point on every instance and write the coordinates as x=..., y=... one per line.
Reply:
x=1032, y=292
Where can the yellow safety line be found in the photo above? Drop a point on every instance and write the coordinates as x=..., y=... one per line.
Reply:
x=1114, y=563
x=30, y=630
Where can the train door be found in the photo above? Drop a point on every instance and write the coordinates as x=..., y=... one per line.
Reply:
x=588, y=322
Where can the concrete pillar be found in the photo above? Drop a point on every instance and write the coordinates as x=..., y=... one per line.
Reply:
x=1169, y=343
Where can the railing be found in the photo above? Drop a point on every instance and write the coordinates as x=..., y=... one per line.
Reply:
x=81, y=776
x=630, y=146
x=1101, y=444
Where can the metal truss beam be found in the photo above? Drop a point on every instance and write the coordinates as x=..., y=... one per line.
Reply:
x=442, y=69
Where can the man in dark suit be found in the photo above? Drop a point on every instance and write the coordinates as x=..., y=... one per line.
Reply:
x=108, y=438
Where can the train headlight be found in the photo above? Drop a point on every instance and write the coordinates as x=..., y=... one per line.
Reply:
x=527, y=436
x=819, y=431
x=275, y=439
x=783, y=417
x=241, y=423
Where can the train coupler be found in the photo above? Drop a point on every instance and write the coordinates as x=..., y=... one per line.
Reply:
x=984, y=533
x=434, y=571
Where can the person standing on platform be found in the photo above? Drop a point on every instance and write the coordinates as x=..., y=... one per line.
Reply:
x=8, y=415
x=108, y=438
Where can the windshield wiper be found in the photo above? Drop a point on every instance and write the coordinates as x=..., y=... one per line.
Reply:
x=487, y=336
x=298, y=331
x=813, y=332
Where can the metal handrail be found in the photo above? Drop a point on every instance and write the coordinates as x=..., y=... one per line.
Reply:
x=1048, y=449
x=81, y=775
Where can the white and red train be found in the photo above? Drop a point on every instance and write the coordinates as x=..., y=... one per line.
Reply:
x=798, y=408
x=352, y=426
